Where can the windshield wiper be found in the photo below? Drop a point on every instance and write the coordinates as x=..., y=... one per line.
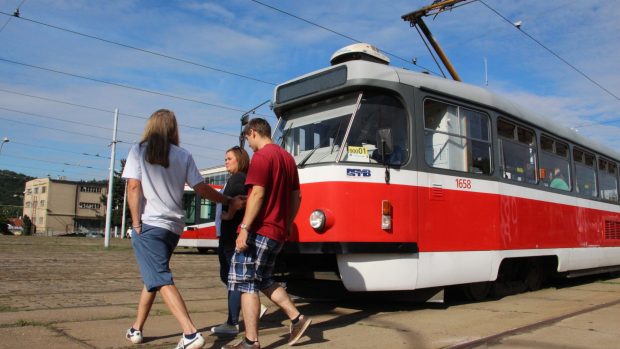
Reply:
x=303, y=161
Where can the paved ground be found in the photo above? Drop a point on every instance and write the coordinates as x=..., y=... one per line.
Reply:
x=72, y=293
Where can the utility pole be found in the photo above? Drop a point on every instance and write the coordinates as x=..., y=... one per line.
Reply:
x=415, y=19
x=124, y=209
x=108, y=219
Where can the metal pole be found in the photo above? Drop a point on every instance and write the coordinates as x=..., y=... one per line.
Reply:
x=435, y=44
x=124, y=209
x=108, y=219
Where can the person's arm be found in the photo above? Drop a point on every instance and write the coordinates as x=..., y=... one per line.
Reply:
x=253, y=206
x=229, y=214
x=134, y=200
x=205, y=191
x=295, y=202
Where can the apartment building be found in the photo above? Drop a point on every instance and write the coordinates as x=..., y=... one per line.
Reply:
x=60, y=206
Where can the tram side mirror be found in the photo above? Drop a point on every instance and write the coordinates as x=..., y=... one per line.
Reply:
x=384, y=142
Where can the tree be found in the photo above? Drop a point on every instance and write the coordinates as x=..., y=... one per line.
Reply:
x=118, y=192
x=27, y=226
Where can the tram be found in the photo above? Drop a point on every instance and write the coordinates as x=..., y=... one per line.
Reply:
x=411, y=181
x=199, y=231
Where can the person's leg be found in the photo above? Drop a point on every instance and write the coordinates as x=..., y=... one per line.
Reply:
x=234, y=297
x=250, y=305
x=234, y=307
x=175, y=303
x=144, y=308
x=280, y=297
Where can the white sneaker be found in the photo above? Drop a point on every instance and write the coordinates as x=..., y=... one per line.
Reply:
x=135, y=337
x=263, y=310
x=194, y=343
x=225, y=329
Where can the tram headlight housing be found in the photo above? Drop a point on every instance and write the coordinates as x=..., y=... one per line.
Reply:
x=321, y=220
x=318, y=220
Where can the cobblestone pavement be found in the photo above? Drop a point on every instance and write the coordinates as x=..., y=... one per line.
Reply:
x=61, y=292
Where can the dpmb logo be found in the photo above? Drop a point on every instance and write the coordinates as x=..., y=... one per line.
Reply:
x=358, y=172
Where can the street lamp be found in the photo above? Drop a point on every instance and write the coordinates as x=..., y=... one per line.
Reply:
x=4, y=140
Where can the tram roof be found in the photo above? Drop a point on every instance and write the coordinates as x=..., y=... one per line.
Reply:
x=368, y=71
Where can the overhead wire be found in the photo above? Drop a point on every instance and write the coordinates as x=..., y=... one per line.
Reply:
x=60, y=150
x=338, y=33
x=551, y=51
x=126, y=86
x=202, y=128
x=141, y=49
x=14, y=15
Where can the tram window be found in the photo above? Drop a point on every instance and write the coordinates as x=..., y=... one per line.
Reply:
x=585, y=173
x=608, y=180
x=189, y=207
x=378, y=112
x=207, y=211
x=456, y=138
x=554, y=164
x=517, y=152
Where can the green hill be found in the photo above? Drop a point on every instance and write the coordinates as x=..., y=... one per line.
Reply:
x=11, y=191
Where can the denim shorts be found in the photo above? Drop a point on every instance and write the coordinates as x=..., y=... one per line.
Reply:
x=252, y=269
x=153, y=248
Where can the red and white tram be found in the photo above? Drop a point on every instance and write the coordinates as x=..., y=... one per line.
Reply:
x=199, y=222
x=410, y=181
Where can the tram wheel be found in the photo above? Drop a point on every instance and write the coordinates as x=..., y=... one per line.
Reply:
x=535, y=276
x=477, y=292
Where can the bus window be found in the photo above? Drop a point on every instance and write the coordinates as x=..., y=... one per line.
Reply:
x=608, y=182
x=456, y=138
x=585, y=173
x=554, y=164
x=189, y=207
x=517, y=152
x=381, y=122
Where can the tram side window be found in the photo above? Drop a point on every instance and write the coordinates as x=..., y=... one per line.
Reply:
x=207, y=211
x=585, y=173
x=456, y=138
x=608, y=180
x=189, y=207
x=517, y=152
x=554, y=164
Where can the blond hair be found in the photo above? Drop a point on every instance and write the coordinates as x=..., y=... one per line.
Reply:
x=160, y=131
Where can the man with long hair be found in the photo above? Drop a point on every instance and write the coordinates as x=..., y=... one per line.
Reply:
x=157, y=170
x=272, y=204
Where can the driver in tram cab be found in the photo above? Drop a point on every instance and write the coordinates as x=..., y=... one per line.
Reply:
x=558, y=181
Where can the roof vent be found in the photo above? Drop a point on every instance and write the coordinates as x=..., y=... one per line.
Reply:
x=361, y=51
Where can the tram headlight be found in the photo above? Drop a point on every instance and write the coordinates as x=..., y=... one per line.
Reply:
x=317, y=220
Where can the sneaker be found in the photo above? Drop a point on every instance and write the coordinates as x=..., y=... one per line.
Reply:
x=194, y=343
x=225, y=329
x=298, y=329
x=242, y=345
x=263, y=310
x=134, y=337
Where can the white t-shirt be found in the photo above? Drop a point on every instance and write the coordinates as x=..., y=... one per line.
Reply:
x=162, y=188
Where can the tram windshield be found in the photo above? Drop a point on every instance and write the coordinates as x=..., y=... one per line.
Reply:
x=363, y=128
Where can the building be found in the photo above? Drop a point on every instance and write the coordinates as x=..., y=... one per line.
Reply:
x=60, y=206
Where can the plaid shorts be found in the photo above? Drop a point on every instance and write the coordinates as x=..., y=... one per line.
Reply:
x=252, y=269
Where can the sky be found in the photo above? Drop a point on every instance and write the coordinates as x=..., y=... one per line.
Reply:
x=211, y=61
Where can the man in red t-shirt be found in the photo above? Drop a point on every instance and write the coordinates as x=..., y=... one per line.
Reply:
x=273, y=201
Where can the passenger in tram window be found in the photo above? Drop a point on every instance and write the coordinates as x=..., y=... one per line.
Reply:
x=558, y=181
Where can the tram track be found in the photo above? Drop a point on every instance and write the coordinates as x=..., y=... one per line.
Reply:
x=495, y=338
